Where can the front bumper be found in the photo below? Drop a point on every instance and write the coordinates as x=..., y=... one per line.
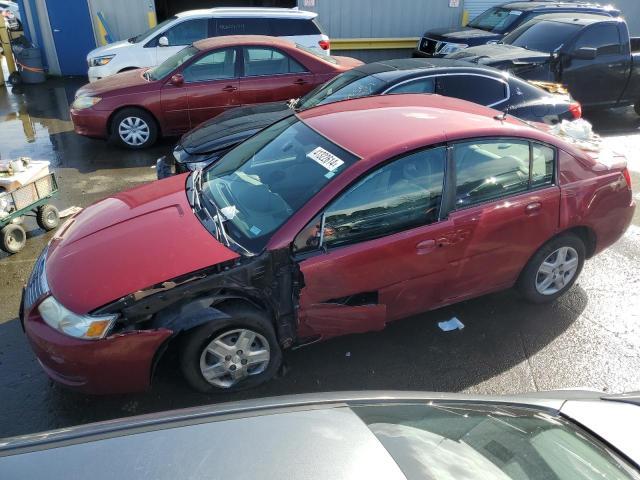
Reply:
x=96, y=73
x=90, y=122
x=121, y=363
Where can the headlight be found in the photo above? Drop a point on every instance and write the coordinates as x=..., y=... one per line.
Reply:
x=81, y=103
x=86, y=327
x=452, y=47
x=100, y=61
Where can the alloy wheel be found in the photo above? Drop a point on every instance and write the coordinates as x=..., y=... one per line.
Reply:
x=557, y=271
x=233, y=356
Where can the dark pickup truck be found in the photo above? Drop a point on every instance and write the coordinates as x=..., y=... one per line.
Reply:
x=591, y=55
x=495, y=23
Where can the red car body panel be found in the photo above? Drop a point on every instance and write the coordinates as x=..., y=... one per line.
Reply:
x=148, y=232
x=178, y=108
x=129, y=242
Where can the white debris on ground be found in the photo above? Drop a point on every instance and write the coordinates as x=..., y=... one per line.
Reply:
x=452, y=324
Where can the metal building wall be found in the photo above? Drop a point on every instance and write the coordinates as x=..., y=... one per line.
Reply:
x=381, y=19
x=125, y=18
x=631, y=11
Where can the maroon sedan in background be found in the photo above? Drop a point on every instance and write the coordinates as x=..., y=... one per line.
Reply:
x=199, y=82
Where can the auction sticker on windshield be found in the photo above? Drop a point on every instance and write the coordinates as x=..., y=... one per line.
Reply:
x=327, y=159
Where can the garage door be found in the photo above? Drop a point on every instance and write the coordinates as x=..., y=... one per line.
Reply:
x=476, y=7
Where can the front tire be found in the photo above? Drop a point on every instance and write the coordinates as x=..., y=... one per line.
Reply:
x=232, y=354
x=13, y=238
x=134, y=128
x=553, y=269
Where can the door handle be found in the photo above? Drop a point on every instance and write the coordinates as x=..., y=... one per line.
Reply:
x=229, y=88
x=425, y=246
x=532, y=208
x=300, y=81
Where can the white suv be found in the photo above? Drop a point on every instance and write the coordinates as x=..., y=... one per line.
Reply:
x=156, y=45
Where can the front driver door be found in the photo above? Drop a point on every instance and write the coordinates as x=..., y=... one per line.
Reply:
x=212, y=85
x=372, y=256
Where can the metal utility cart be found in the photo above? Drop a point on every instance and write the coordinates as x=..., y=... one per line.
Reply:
x=14, y=205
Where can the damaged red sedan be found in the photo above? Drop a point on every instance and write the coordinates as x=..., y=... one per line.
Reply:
x=337, y=220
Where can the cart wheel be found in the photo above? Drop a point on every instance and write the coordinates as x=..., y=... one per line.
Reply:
x=48, y=217
x=15, y=79
x=12, y=238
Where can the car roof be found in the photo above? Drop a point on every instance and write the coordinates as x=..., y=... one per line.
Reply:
x=248, y=12
x=576, y=18
x=393, y=70
x=380, y=127
x=546, y=5
x=236, y=40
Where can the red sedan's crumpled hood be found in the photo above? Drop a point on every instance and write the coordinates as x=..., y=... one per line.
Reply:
x=128, y=79
x=129, y=242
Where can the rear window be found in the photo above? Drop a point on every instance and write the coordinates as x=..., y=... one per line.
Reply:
x=542, y=36
x=291, y=27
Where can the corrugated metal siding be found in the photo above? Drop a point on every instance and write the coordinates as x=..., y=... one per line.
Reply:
x=368, y=56
x=383, y=18
x=476, y=7
x=631, y=11
x=126, y=18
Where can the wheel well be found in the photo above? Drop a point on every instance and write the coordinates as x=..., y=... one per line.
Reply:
x=587, y=235
x=137, y=107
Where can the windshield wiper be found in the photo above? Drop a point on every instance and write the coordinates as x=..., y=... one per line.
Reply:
x=217, y=219
x=293, y=103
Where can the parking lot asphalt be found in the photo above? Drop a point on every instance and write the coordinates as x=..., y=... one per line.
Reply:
x=589, y=338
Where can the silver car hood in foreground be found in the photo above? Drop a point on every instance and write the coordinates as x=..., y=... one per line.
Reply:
x=303, y=436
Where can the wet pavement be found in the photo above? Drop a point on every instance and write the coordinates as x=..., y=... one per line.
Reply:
x=589, y=338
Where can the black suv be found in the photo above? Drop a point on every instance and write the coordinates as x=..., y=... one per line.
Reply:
x=495, y=23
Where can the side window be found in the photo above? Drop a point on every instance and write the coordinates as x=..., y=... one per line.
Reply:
x=489, y=169
x=292, y=27
x=186, y=33
x=542, y=165
x=605, y=37
x=420, y=85
x=482, y=90
x=260, y=61
x=403, y=194
x=242, y=26
x=216, y=65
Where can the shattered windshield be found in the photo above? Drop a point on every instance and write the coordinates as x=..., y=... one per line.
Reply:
x=262, y=182
x=351, y=84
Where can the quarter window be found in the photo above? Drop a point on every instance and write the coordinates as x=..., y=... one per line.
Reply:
x=267, y=61
x=186, y=33
x=482, y=90
x=490, y=169
x=421, y=85
x=212, y=66
x=400, y=195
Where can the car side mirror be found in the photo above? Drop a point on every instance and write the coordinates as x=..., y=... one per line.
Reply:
x=177, y=80
x=585, y=53
x=163, y=41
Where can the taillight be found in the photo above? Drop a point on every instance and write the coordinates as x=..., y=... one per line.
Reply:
x=576, y=110
x=627, y=177
x=324, y=44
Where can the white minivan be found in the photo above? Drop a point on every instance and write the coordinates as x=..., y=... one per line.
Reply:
x=156, y=45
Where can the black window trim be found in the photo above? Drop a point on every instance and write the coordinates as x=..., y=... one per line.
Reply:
x=240, y=59
x=321, y=212
x=236, y=70
x=470, y=74
x=451, y=196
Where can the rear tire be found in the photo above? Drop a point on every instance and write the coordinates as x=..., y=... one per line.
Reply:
x=236, y=354
x=553, y=269
x=134, y=128
x=12, y=238
x=48, y=217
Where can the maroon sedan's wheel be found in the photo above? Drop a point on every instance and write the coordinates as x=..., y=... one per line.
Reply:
x=230, y=355
x=134, y=128
x=553, y=269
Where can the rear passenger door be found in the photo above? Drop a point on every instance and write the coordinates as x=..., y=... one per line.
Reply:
x=505, y=205
x=484, y=90
x=270, y=75
x=212, y=84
